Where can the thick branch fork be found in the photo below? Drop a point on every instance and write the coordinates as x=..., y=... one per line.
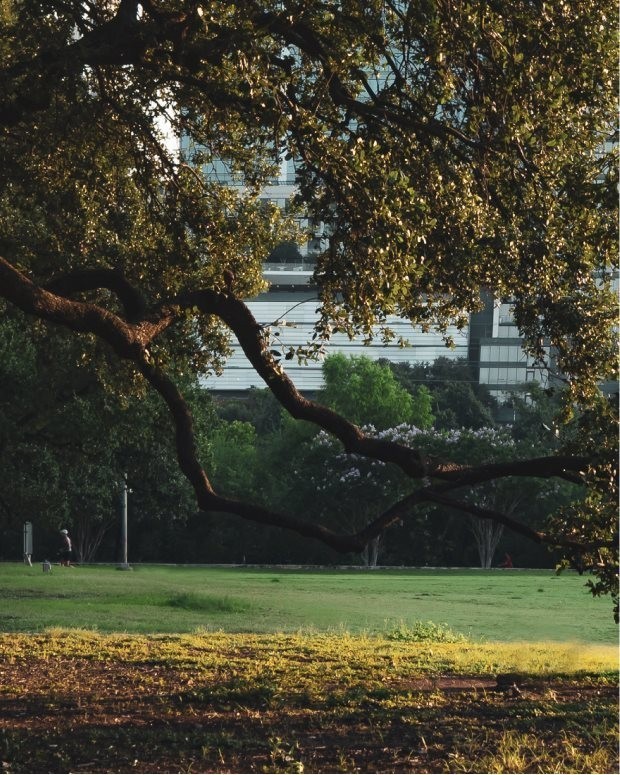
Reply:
x=130, y=340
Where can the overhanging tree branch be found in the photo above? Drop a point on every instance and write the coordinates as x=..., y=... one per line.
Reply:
x=130, y=341
x=516, y=526
x=114, y=280
x=236, y=315
x=471, y=166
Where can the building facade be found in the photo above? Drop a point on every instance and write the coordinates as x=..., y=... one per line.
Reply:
x=491, y=343
x=289, y=307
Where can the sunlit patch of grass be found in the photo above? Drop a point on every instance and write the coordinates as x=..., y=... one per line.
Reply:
x=76, y=633
x=534, y=658
x=325, y=702
x=192, y=601
x=512, y=751
x=417, y=632
x=336, y=653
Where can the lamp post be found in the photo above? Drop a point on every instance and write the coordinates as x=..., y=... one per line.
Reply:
x=124, y=490
x=28, y=543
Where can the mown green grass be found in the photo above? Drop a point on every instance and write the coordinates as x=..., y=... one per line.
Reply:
x=483, y=605
x=173, y=669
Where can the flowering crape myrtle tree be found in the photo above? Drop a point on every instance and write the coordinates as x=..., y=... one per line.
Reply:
x=349, y=488
x=506, y=495
x=451, y=147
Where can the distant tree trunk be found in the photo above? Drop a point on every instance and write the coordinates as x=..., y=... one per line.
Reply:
x=370, y=555
x=88, y=537
x=487, y=535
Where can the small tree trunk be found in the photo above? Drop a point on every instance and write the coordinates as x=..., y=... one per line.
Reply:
x=88, y=538
x=487, y=535
x=370, y=554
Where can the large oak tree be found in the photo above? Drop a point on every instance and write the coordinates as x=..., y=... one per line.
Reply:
x=452, y=148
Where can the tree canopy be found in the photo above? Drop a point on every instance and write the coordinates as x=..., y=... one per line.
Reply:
x=458, y=400
x=450, y=148
x=367, y=392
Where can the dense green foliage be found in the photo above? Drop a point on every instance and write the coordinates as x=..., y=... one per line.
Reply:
x=458, y=399
x=66, y=443
x=450, y=149
x=367, y=392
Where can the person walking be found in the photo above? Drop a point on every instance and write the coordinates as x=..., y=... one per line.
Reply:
x=66, y=548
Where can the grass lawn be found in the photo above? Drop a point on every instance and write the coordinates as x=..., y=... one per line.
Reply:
x=492, y=605
x=74, y=701
x=245, y=670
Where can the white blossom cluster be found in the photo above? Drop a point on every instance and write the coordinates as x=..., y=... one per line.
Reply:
x=350, y=470
x=354, y=471
x=499, y=437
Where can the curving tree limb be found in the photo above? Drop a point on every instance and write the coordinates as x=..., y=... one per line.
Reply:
x=130, y=340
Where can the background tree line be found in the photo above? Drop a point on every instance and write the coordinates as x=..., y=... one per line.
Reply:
x=65, y=454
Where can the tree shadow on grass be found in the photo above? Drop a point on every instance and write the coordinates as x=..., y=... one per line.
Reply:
x=254, y=726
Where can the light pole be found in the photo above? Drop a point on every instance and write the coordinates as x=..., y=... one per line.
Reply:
x=124, y=490
x=28, y=543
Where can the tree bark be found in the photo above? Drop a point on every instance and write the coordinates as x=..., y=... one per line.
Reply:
x=131, y=339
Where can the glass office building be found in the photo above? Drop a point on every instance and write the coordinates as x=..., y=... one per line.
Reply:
x=491, y=343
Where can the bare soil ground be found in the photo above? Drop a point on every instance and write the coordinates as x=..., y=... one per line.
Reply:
x=61, y=714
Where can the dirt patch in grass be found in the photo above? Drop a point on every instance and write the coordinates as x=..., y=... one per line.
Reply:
x=242, y=712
